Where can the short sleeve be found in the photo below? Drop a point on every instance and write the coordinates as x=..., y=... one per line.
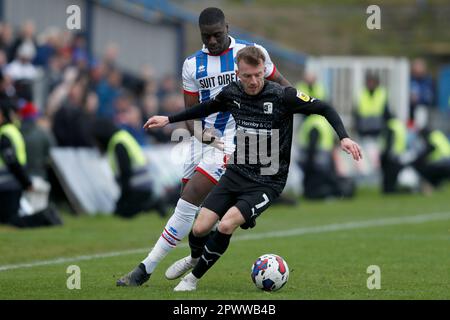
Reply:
x=270, y=67
x=189, y=84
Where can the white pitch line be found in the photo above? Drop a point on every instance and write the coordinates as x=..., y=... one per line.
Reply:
x=256, y=236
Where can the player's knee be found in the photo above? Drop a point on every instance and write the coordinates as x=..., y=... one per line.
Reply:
x=199, y=230
x=227, y=226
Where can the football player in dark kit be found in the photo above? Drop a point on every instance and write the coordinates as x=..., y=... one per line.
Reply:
x=262, y=110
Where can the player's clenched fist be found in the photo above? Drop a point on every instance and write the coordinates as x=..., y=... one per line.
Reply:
x=156, y=122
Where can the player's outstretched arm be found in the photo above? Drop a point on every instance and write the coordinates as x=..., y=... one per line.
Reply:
x=351, y=147
x=198, y=111
x=279, y=78
x=302, y=103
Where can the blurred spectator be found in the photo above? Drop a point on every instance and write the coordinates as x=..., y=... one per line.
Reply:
x=394, y=147
x=131, y=169
x=110, y=55
x=132, y=122
x=65, y=47
x=311, y=86
x=433, y=160
x=80, y=54
x=421, y=89
x=6, y=38
x=167, y=87
x=371, y=111
x=316, y=139
x=37, y=140
x=48, y=45
x=7, y=85
x=21, y=67
x=14, y=178
x=54, y=74
x=3, y=59
x=108, y=90
x=151, y=87
x=59, y=94
x=71, y=124
x=91, y=105
x=129, y=117
x=147, y=73
x=26, y=35
x=97, y=72
x=171, y=104
x=150, y=106
x=133, y=83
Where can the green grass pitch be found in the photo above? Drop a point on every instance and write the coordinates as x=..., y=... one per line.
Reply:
x=327, y=245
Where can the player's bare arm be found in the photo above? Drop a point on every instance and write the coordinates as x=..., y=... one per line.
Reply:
x=189, y=101
x=279, y=78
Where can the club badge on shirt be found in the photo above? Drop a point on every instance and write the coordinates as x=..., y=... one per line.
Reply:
x=268, y=107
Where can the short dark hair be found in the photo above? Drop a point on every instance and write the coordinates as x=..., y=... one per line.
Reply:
x=210, y=16
x=372, y=75
x=250, y=55
x=102, y=130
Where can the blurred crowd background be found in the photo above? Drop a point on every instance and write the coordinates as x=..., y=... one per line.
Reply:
x=75, y=87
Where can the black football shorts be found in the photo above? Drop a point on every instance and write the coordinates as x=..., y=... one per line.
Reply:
x=233, y=189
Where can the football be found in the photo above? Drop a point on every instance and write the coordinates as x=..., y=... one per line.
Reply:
x=270, y=272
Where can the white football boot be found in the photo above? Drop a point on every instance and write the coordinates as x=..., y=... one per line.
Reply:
x=180, y=267
x=188, y=283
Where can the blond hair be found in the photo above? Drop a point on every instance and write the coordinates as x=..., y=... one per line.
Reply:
x=250, y=55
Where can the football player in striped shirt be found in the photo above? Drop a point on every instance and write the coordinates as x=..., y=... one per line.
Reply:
x=204, y=74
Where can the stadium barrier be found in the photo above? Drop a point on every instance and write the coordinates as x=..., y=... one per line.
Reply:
x=86, y=179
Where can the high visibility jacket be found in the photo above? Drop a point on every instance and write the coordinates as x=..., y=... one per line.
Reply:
x=399, y=131
x=140, y=178
x=372, y=105
x=317, y=90
x=7, y=179
x=326, y=132
x=322, y=157
x=370, y=110
x=441, y=146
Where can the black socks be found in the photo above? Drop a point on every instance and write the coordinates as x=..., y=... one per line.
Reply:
x=197, y=244
x=215, y=246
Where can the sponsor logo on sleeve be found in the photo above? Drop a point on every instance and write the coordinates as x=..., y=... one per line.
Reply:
x=303, y=96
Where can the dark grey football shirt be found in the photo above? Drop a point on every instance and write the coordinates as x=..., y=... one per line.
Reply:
x=264, y=124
